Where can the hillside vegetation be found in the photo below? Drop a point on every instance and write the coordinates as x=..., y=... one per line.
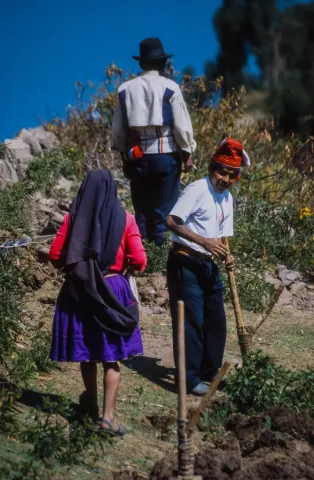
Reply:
x=274, y=225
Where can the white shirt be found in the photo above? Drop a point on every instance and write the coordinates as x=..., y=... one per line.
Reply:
x=153, y=107
x=204, y=211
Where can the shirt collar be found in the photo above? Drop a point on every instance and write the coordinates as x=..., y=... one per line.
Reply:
x=211, y=188
x=152, y=73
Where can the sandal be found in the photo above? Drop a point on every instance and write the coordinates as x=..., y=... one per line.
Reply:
x=120, y=432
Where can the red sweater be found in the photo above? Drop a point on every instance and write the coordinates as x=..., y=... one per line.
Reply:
x=131, y=252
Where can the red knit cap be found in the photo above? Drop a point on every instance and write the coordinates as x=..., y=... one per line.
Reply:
x=231, y=154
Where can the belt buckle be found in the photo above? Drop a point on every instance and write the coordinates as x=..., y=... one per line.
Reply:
x=205, y=256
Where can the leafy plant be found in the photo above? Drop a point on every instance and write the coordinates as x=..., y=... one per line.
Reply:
x=58, y=437
x=15, y=208
x=254, y=292
x=157, y=256
x=262, y=384
x=16, y=367
x=45, y=169
x=10, y=304
x=40, y=350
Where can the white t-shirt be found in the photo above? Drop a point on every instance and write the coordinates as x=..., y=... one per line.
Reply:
x=204, y=211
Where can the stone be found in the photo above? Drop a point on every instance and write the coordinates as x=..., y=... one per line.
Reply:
x=65, y=184
x=306, y=302
x=57, y=218
x=22, y=153
x=291, y=232
x=43, y=253
x=146, y=293
x=49, y=229
x=154, y=310
x=47, y=140
x=7, y=172
x=158, y=281
x=46, y=205
x=285, y=299
x=142, y=281
x=162, y=300
x=269, y=278
x=64, y=206
x=298, y=289
x=287, y=276
x=40, y=198
x=28, y=138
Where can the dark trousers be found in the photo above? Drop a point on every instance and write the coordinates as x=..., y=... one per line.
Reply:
x=198, y=284
x=155, y=185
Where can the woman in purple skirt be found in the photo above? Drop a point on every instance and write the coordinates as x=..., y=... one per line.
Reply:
x=96, y=317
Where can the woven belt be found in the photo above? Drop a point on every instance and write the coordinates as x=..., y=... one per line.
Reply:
x=184, y=250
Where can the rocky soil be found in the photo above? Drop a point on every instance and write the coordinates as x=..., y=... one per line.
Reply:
x=275, y=445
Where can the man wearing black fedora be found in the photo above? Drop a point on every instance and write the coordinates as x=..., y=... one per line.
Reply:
x=152, y=129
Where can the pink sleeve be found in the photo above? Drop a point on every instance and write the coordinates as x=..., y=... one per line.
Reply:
x=134, y=249
x=57, y=244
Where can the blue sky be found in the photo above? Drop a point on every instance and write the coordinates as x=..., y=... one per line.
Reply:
x=46, y=46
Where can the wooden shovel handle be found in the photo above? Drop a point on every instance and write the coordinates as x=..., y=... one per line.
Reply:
x=273, y=302
x=195, y=418
x=181, y=364
x=234, y=291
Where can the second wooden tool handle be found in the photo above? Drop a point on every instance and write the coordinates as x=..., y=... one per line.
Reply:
x=181, y=363
x=234, y=291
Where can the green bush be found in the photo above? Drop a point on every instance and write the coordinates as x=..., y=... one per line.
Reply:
x=157, y=256
x=40, y=350
x=10, y=304
x=275, y=234
x=16, y=367
x=43, y=173
x=15, y=208
x=262, y=384
x=254, y=292
x=58, y=437
x=45, y=169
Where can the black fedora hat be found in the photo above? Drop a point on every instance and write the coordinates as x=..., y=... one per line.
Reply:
x=151, y=49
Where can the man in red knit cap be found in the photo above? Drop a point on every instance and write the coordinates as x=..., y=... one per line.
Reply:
x=200, y=218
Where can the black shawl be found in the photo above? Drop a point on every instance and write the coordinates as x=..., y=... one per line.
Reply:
x=96, y=225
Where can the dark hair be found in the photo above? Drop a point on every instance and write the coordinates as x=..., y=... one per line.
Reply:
x=213, y=165
x=159, y=65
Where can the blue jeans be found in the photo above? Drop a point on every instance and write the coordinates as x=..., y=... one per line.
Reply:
x=198, y=284
x=155, y=186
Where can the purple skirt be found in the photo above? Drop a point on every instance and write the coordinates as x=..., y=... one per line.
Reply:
x=77, y=340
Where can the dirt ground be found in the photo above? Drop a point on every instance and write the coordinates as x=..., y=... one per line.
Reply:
x=147, y=404
x=250, y=451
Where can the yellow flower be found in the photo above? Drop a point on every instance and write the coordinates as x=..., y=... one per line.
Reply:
x=305, y=212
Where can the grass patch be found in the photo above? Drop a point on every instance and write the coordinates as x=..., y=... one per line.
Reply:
x=295, y=337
